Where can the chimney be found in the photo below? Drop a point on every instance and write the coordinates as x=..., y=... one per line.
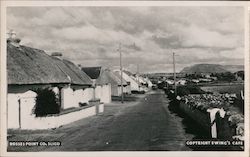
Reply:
x=57, y=55
x=79, y=66
x=12, y=39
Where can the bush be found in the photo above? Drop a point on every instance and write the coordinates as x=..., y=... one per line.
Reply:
x=46, y=103
x=189, y=89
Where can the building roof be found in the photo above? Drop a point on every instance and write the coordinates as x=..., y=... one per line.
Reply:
x=128, y=73
x=92, y=72
x=118, y=78
x=27, y=65
x=108, y=76
x=75, y=75
x=103, y=76
x=82, y=75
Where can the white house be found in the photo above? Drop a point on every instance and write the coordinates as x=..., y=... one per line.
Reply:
x=101, y=82
x=133, y=84
x=116, y=82
x=73, y=93
x=30, y=70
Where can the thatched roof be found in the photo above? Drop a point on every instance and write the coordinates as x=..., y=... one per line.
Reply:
x=27, y=65
x=116, y=79
x=106, y=76
x=82, y=75
x=92, y=72
x=103, y=76
x=70, y=70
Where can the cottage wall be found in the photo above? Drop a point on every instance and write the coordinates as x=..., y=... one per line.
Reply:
x=103, y=92
x=128, y=87
x=115, y=90
x=98, y=91
x=106, y=93
x=67, y=98
x=83, y=95
x=13, y=110
x=78, y=95
x=125, y=89
x=20, y=106
x=134, y=85
x=55, y=121
x=27, y=101
x=27, y=110
x=88, y=94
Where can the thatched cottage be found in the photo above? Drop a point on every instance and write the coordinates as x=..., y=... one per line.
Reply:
x=30, y=69
x=134, y=85
x=116, y=82
x=101, y=83
x=79, y=89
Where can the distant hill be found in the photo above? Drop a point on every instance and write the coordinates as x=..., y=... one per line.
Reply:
x=233, y=68
x=204, y=68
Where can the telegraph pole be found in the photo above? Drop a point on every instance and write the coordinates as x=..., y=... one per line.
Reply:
x=121, y=72
x=175, y=90
x=138, y=81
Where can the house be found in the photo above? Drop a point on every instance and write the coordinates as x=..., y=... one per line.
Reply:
x=205, y=80
x=101, y=83
x=30, y=70
x=195, y=81
x=79, y=89
x=134, y=85
x=181, y=82
x=150, y=84
x=115, y=81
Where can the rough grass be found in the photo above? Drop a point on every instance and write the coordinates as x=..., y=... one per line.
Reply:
x=224, y=89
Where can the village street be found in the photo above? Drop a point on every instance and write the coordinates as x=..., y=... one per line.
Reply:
x=143, y=125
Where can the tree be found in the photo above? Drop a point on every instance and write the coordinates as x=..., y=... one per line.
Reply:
x=46, y=103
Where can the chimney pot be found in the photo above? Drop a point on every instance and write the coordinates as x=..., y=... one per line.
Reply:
x=80, y=66
x=12, y=39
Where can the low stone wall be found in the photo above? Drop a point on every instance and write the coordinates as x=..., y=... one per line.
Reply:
x=224, y=129
x=199, y=116
x=55, y=121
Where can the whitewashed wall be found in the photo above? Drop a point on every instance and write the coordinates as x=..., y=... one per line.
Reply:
x=98, y=92
x=134, y=85
x=115, y=90
x=88, y=94
x=13, y=110
x=103, y=92
x=128, y=87
x=78, y=96
x=27, y=99
x=67, y=98
x=56, y=121
x=27, y=103
x=106, y=93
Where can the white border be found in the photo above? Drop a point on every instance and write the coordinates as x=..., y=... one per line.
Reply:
x=3, y=133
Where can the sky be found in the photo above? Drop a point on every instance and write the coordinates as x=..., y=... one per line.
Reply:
x=90, y=36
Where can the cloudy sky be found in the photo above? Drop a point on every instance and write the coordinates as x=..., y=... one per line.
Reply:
x=148, y=35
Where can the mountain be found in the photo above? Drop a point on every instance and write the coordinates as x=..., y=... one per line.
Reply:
x=233, y=68
x=204, y=68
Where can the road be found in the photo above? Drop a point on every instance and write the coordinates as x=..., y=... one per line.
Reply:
x=144, y=125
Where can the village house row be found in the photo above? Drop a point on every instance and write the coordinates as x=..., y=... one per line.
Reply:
x=80, y=91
